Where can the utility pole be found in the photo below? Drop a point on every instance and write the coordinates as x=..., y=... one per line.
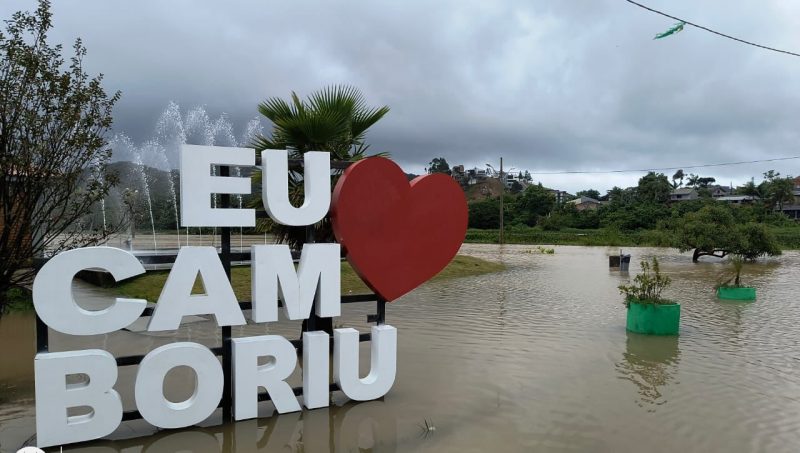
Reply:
x=502, y=194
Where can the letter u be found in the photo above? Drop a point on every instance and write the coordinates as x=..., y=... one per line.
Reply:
x=382, y=369
x=316, y=182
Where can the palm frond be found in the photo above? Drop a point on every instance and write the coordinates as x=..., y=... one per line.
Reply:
x=260, y=143
x=336, y=98
x=275, y=108
x=333, y=119
x=365, y=118
x=299, y=107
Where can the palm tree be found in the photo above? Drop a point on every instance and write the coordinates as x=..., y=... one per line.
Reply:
x=678, y=175
x=334, y=119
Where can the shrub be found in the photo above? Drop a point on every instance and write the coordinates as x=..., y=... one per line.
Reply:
x=647, y=286
x=734, y=275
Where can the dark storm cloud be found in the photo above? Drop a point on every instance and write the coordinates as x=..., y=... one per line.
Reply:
x=547, y=85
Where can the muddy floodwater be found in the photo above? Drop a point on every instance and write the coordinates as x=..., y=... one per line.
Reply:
x=535, y=358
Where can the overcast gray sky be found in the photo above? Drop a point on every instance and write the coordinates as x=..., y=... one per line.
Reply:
x=549, y=85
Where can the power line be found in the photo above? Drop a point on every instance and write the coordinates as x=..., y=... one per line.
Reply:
x=641, y=170
x=712, y=31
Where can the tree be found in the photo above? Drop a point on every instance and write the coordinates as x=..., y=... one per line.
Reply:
x=750, y=188
x=527, y=177
x=782, y=191
x=704, y=182
x=533, y=203
x=591, y=193
x=334, y=119
x=777, y=190
x=756, y=241
x=708, y=231
x=676, y=177
x=53, y=152
x=693, y=180
x=438, y=165
x=484, y=214
x=653, y=188
x=713, y=231
x=619, y=196
x=633, y=216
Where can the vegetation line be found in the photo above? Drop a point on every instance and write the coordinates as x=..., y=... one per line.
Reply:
x=149, y=286
x=787, y=238
x=643, y=170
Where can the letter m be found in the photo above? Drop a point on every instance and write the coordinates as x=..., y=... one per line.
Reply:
x=317, y=278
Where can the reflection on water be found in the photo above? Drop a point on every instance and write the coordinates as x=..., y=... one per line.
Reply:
x=650, y=362
x=535, y=358
x=360, y=427
x=16, y=365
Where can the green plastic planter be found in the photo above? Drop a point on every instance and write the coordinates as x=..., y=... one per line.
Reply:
x=654, y=319
x=736, y=293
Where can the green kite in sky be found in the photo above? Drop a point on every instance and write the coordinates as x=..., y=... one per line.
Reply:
x=675, y=29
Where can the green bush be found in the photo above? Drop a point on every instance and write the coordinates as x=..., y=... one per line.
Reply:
x=647, y=286
x=484, y=214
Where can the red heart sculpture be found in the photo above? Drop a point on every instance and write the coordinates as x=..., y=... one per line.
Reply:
x=397, y=234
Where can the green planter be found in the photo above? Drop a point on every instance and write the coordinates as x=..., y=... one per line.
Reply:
x=654, y=319
x=736, y=293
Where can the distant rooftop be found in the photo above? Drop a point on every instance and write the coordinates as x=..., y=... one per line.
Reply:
x=737, y=198
x=580, y=200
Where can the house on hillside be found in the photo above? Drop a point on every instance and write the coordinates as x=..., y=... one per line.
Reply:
x=475, y=175
x=737, y=199
x=683, y=194
x=584, y=203
x=458, y=173
x=720, y=191
x=511, y=178
x=561, y=196
x=792, y=211
x=796, y=190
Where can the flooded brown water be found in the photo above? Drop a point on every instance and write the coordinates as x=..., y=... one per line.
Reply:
x=535, y=358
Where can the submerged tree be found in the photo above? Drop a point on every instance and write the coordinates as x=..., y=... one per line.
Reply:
x=713, y=231
x=53, y=118
x=334, y=119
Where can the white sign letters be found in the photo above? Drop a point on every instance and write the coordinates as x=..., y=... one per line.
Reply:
x=316, y=282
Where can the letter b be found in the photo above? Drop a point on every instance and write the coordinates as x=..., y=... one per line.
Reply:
x=54, y=396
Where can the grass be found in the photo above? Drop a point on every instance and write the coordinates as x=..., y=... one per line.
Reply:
x=149, y=286
x=788, y=237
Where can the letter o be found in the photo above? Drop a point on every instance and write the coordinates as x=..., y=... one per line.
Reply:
x=149, y=394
